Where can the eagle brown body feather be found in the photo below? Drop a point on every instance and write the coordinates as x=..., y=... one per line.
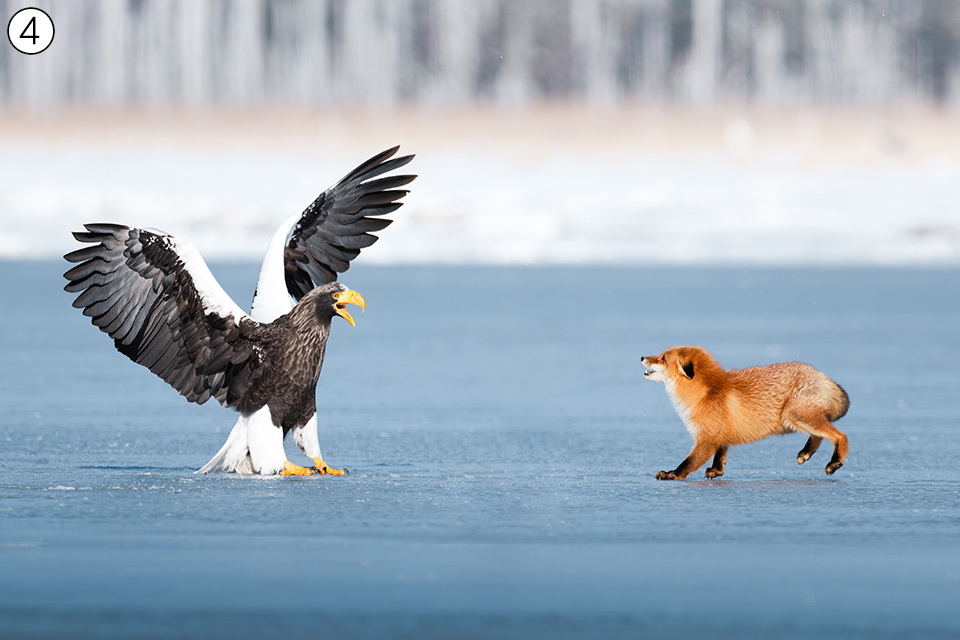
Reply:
x=136, y=287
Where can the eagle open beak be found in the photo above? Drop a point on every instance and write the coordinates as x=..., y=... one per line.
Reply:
x=349, y=297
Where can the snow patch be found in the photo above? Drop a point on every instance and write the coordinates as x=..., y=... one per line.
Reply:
x=489, y=206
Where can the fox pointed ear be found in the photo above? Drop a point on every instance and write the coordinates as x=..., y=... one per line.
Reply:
x=686, y=369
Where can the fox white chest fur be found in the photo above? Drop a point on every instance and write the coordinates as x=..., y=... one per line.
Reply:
x=682, y=409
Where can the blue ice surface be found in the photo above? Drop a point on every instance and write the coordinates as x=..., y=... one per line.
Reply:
x=502, y=444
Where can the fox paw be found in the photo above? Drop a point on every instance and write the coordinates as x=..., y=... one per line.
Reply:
x=832, y=468
x=713, y=473
x=667, y=475
x=803, y=457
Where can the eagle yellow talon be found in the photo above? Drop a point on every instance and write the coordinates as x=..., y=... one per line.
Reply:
x=290, y=469
x=324, y=469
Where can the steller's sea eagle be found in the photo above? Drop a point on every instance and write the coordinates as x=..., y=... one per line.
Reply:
x=154, y=295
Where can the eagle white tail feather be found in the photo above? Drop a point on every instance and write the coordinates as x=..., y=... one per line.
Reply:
x=234, y=455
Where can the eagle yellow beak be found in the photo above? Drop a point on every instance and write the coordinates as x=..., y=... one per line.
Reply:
x=349, y=297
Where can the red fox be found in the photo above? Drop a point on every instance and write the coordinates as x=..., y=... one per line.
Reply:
x=721, y=408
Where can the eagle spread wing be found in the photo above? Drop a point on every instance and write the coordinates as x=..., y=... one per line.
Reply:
x=153, y=294
x=332, y=230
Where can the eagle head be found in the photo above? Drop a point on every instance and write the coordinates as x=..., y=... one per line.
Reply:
x=332, y=299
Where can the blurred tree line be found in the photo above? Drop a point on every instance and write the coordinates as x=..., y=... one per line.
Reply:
x=503, y=52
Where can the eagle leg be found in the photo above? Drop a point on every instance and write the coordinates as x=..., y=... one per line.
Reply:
x=290, y=469
x=324, y=469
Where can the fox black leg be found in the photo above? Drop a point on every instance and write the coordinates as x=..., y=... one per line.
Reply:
x=669, y=475
x=715, y=470
x=697, y=458
x=835, y=463
x=813, y=443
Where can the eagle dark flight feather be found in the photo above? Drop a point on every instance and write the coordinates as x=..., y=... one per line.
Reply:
x=338, y=224
x=139, y=288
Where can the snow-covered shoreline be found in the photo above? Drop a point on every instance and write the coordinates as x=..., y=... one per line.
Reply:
x=558, y=188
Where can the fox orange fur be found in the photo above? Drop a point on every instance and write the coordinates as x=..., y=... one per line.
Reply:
x=722, y=408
